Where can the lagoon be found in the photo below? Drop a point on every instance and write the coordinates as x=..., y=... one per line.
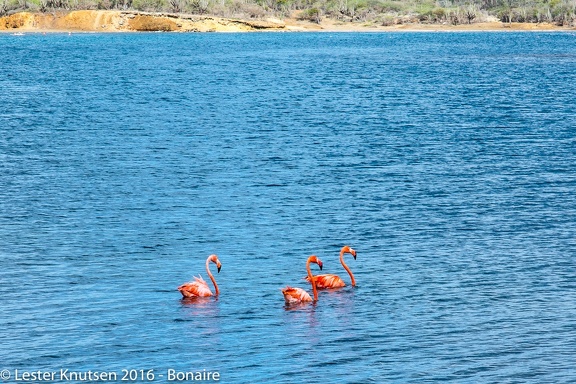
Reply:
x=447, y=160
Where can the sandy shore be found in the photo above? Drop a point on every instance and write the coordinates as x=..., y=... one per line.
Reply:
x=128, y=21
x=337, y=26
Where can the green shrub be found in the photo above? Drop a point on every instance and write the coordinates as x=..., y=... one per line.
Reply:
x=392, y=6
x=312, y=14
x=146, y=5
x=435, y=15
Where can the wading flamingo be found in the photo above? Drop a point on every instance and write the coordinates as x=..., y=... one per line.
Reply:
x=298, y=295
x=334, y=281
x=199, y=287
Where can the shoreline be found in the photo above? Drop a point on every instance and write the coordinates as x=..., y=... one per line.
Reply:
x=90, y=21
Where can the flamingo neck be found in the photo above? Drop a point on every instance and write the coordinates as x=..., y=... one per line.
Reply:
x=347, y=268
x=312, y=280
x=212, y=277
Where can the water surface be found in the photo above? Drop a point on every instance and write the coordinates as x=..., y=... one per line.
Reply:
x=447, y=160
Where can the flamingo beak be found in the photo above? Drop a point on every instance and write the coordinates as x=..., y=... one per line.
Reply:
x=354, y=254
x=220, y=266
x=320, y=265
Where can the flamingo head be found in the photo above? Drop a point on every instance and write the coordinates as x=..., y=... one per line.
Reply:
x=347, y=249
x=315, y=259
x=214, y=259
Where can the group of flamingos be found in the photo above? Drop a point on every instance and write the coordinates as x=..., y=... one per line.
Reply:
x=199, y=287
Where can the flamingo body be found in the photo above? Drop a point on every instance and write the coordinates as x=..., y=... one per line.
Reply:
x=196, y=288
x=298, y=295
x=328, y=281
x=199, y=287
x=295, y=295
x=334, y=281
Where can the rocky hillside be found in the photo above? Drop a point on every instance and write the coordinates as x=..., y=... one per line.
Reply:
x=127, y=21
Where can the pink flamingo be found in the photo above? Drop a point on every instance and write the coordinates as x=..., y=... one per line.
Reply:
x=298, y=295
x=334, y=281
x=199, y=287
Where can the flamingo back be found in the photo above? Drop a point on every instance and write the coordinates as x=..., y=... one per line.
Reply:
x=327, y=281
x=295, y=295
x=196, y=288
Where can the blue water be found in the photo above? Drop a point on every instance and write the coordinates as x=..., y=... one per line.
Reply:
x=447, y=160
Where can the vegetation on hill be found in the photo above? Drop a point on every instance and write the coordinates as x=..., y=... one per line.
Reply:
x=382, y=12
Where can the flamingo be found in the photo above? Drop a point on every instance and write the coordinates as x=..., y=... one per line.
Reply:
x=199, y=287
x=334, y=281
x=298, y=295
